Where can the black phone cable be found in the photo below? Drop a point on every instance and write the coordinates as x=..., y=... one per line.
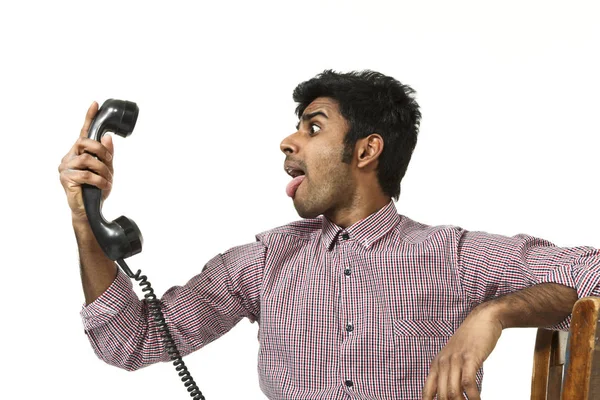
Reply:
x=163, y=329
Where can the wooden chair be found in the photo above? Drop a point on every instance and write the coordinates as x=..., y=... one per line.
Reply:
x=576, y=353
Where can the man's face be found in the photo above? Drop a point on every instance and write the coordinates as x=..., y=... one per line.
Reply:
x=316, y=150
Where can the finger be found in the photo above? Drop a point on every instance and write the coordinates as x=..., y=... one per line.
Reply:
x=430, y=388
x=74, y=177
x=85, y=145
x=469, y=380
x=442, y=381
x=107, y=141
x=85, y=162
x=89, y=117
x=454, y=378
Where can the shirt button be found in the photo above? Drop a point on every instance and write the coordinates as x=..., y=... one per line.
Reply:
x=349, y=328
x=347, y=271
x=349, y=383
x=345, y=236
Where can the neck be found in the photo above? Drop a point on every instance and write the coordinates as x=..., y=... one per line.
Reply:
x=358, y=209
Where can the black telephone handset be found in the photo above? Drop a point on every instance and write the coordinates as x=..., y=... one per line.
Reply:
x=122, y=238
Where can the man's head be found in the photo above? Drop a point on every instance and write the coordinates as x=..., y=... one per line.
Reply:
x=356, y=135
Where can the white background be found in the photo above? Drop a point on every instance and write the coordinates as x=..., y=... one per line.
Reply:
x=508, y=144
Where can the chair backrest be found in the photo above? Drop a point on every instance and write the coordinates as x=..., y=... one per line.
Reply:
x=578, y=357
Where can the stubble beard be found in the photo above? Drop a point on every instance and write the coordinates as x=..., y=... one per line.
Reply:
x=325, y=198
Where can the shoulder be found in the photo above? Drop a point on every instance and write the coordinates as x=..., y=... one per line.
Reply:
x=415, y=232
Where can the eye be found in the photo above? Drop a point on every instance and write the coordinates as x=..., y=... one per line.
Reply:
x=314, y=129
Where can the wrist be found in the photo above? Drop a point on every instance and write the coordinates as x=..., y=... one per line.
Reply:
x=79, y=221
x=494, y=311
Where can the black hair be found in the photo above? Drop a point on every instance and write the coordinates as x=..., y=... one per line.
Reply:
x=371, y=103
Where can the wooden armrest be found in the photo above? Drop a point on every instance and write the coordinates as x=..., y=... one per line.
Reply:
x=581, y=364
x=582, y=374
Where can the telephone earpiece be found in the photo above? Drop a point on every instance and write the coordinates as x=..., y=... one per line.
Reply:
x=120, y=238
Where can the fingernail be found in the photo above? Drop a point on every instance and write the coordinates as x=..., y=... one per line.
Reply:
x=108, y=156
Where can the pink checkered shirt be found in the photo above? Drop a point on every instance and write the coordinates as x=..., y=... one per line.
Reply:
x=355, y=313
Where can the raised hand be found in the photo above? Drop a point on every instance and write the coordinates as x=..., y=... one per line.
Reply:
x=79, y=166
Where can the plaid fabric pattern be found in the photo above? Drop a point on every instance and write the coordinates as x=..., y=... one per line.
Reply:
x=355, y=313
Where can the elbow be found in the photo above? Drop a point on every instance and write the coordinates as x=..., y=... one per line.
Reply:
x=128, y=363
x=118, y=356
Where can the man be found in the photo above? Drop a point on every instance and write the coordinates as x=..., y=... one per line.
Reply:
x=355, y=300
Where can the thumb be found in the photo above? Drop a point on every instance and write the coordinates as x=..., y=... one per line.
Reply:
x=107, y=142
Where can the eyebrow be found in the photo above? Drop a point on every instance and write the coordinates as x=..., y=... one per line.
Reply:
x=306, y=117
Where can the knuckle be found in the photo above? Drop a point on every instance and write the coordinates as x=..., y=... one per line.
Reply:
x=89, y=158
x=84, y=158
x=467, y=382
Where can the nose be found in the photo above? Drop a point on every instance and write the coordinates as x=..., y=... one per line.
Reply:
x=288, y=145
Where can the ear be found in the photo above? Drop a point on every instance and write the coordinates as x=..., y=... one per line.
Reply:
x=368, y=150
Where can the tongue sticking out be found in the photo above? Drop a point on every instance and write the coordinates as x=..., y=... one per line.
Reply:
x=293, y=185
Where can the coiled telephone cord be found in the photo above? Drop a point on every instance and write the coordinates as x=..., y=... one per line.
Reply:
x=163, y=329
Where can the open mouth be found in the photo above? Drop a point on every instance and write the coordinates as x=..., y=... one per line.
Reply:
x=294, y=172
x=298, y=176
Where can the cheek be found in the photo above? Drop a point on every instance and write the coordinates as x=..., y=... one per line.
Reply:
x=325, y=159
x=329, y=171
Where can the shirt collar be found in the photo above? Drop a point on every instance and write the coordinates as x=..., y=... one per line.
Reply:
x=366, y=231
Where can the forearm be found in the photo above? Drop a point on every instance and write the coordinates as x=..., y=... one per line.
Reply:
x=97, y=270
x=542, y=305
x=117, y=323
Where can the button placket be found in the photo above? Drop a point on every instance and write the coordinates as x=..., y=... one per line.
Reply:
x=347, y=308
x=344, y=236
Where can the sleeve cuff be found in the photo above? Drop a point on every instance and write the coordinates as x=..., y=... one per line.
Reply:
x=117, y=297
x=583, y=278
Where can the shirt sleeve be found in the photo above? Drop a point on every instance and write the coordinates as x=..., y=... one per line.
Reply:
x=123, y=334
x=493, y=265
